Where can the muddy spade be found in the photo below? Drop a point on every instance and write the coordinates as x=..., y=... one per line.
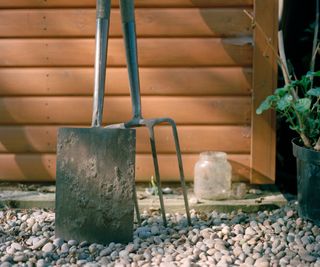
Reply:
x=96, y=167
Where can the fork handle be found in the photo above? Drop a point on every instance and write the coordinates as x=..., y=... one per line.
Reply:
x=102, y=31
x=130, y=40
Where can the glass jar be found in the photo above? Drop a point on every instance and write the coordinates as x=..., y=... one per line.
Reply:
x=212, y=176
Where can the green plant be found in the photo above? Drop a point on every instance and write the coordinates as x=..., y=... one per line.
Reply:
x=298, y=101
x=154, y=186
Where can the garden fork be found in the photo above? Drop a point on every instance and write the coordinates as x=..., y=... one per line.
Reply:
x=129, y=32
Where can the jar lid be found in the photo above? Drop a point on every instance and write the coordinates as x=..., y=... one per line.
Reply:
x=213, y=155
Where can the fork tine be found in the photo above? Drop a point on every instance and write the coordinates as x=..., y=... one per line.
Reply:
x=180, y=164
x=182, y=179
x=157, y=173
x=136, y=205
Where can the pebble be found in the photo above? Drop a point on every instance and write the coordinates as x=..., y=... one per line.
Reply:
x=167, y=190
x=237, y=251
x=72, y=243
x=35, y=228
x=19, y=257
x=58, y=242
x=39, y=244
x=250, y=231
x=105, y=252
x=249, y=261
x=277, y=228
x=41, y=263
x=49, y=247
x=155, y=230
x=194, y=201
x=16, y=246
x=266, y=238
x=6, y=257
x=64, y=248
x=290, y=213
x=315, y=230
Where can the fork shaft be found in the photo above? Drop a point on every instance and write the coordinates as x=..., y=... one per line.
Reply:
x=130, y=40
x=102, y=31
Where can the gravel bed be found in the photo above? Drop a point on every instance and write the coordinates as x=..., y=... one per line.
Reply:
x=276, y=238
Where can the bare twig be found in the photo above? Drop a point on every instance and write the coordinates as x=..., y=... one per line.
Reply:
x=317, y=146
x=280, y=61
x=282, y=54
x=294, y=94
x=315, y=45
x=315, y=48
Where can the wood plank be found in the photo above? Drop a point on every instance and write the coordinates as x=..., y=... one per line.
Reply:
x=169, y=167
x=152, y=52
x=193, y=139
x=115, y=3
x=42, y=167
x=77, y=110
x=154, y=81
x=264, y=82
x=210, y=22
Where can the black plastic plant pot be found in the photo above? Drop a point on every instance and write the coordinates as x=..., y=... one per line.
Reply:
x=308, y=178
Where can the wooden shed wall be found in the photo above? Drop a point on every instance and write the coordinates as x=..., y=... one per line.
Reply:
x=196, y=66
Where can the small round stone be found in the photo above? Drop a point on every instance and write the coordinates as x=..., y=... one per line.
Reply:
x=64, y=248
x=58, y=242
x=16, y=246
x=20, y=257
x=41, y=263
x=250, y=231
x=105, y=252
x=72, y=243
x=39, y=244
x=49, y=247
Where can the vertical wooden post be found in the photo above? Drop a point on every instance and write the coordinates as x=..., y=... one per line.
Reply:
x=264, y=83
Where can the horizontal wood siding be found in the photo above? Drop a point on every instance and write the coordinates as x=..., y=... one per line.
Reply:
x=226, y=81
x=150, y=22
x=41, y=167
x=77, y=110
x=193, y=139
x=166, y=52
x=115, y=3
x=195, y=62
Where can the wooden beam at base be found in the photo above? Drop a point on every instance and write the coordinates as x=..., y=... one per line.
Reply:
x=42, y=167
x=264, y=83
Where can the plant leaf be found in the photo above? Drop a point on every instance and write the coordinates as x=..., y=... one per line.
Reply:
x=281, y=91
x=284, y=102
x=294, y=128
x=303, y=105
x=314, y=91
x=305, y=81
x=266, y=104
x=313, y=73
